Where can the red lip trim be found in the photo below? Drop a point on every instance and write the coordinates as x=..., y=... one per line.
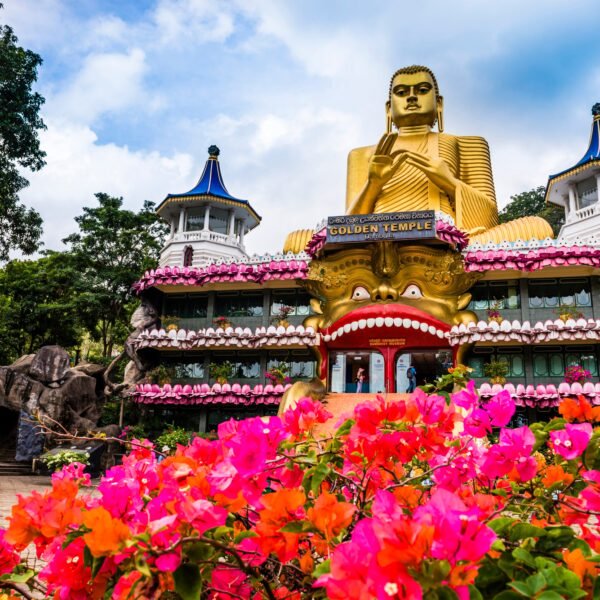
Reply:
x=373, y=311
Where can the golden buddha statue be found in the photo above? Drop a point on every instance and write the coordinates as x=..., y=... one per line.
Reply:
x=415, y=168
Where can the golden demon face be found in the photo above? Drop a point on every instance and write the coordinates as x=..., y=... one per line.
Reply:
x=389, y=287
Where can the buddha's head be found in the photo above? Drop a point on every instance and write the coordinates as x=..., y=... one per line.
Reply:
x=414, y=98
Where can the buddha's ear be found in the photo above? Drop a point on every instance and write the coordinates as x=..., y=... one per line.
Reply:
x=440, y=113
x=388, y=117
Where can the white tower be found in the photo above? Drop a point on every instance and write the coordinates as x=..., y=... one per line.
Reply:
x=207, y=223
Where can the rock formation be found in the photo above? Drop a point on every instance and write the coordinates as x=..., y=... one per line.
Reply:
x=42, y=386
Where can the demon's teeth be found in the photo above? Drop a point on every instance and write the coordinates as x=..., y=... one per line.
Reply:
x=333, y=335
x=384, y=322
x=397, y=322
x=347, y=327
x=406, y=323
x=415, y=324
x=370, y=323
x=326, y=337
x=432, y=330
x=362, y=323
x=379, y=321
x=440, y=333
x=389, y=322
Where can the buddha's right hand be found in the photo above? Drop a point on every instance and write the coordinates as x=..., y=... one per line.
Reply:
x=382, y=165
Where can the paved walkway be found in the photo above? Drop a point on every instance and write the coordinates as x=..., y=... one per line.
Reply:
x=11, y=485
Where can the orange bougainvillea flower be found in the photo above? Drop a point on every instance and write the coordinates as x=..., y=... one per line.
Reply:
x=408, y=496
x=107, y=534
x=578, y=563
x=462, y=575
x=556, y=474
x=330, y=516
x=578, y=410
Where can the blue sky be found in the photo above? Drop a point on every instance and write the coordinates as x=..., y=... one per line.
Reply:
x=136, y=91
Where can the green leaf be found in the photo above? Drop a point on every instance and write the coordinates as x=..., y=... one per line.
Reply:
x=550, y=595
x=501, y=524
x=188, y=582
x=243, y=535
x=524, y=530
x=97, y=563
x=322, y=569
x=199, y=551
x=297, y=527
x=524, y=556
x=508, y=595
x=591, y=458
x=522, y=587
x=18, y=577
x=474, y=593
x=344, y=428
x=536, y=582
x=322, y=471
x=142, y=566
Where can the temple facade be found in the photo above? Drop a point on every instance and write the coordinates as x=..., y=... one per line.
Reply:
x=357, y=300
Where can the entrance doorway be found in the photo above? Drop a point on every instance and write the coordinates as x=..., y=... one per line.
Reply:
x=9, y=427
x=345, y=367
x=429, y=365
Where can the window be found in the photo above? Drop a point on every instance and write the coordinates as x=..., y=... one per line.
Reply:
x=188, y=256
x=298, y=300
x=495, y=294
x=554, y=293
x=512, y=356
x=189, y=370
x=218, y=220
x=302, y=364
x=195, y=219
x=244, y=366
x=552, y=362
x=587, y=192
x=245, y=304
x=187, y=306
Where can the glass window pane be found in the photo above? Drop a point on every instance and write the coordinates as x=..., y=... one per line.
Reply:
x=557, y=367
x=588, y=361
x=517, y=366
x=540, y=365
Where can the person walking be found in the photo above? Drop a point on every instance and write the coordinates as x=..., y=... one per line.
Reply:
x=411, y=373
x=360, y=378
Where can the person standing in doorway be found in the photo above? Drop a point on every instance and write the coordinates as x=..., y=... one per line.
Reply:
x=411, y=373
x=360, y=378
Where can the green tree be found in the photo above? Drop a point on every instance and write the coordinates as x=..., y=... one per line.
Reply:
x=533, y=203
x=19, y=143
x=38, y=305
x=112, y=249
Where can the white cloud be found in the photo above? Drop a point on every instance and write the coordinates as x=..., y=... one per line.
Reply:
x=106, y=83
x=78, y=167
x=185, y=21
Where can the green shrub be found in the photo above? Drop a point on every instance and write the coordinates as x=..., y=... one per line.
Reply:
x=57, y=461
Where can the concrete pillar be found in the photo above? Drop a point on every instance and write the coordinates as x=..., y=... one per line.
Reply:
x=231, y=227
x=202, y=421
x=172, y=233
x=598, y=187
x=572, y=199
x=206, y=218
x=242, y=232
x=266, y=308
x=181, y=220
x=210, y=310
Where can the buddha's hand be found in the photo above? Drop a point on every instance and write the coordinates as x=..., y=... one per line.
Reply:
x=382, y=165
x=436, y=169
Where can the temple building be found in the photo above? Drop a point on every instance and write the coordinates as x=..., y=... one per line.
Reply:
x=418, y=272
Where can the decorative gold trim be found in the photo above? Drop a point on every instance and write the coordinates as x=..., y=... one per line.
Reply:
x=195, y=198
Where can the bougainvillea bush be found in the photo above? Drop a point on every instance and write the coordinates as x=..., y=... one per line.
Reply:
x=433, y=497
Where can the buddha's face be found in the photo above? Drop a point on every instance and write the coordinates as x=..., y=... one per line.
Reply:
x=413, y=100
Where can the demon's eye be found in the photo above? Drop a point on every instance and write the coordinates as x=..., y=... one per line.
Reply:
x=412, y=291
x=360, y=293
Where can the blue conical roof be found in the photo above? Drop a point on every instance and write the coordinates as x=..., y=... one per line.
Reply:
x=593, y=151
x=211, y=181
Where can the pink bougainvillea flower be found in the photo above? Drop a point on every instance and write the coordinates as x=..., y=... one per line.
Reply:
x=477, y=423
x=305, y=415
x=572, y=440
x=501, y=409
x=466, y=398
x=431, y=407
x=9, y=558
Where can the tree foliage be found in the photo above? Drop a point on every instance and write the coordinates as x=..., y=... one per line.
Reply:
x=38, y=305
x=20, y=123
x=110, y=251
x=533, y=203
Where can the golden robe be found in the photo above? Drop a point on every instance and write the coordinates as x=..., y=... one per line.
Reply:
x=474, y=205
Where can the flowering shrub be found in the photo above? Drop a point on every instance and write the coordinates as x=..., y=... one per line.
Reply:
x=279, y=374
x=403, y=500
x=576, y=373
